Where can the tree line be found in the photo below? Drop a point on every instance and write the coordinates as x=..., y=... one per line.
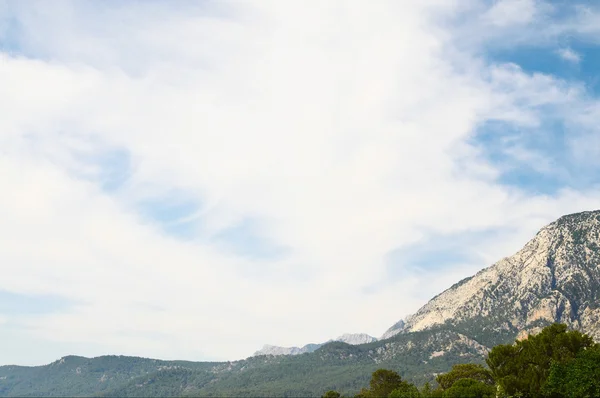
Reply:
x=554, y=363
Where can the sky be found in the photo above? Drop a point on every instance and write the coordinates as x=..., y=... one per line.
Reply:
x=195, y=179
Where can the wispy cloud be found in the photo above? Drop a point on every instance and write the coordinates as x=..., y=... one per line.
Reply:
x=569, y=55
x=342, y=133
x=512, y=12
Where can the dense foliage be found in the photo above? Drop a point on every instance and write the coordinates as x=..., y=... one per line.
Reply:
x=469, y=388
x=465, y=371
x=387, y=383
x=524, y=367
x=579, y=377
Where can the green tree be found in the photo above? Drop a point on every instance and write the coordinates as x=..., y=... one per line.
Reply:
x=470, y=388
x=578, y=378
x=465, y=371
x=523, y=368
x=383, y=382
x=331, y=394
x=407, y=390
x=426, y=390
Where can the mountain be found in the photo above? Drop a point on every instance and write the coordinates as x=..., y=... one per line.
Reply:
x=80, y=376
x=554, y=278
x=353, y=339
x=356, y=338
x=335, y=365
x=276, y=350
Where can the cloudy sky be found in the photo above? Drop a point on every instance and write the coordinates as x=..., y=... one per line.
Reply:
x=194, y=179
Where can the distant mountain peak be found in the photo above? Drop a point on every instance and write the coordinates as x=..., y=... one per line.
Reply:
x=356, y=338
x=582, y=216
x=277, y=350
x=349, y=338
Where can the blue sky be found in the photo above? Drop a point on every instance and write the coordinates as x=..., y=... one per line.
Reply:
x=179, y=171
x=552, y=139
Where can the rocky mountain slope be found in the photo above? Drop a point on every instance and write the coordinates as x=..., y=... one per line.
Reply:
x=554, y=278
x=350, y=338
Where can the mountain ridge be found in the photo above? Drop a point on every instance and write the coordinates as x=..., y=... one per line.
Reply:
x=350, y=338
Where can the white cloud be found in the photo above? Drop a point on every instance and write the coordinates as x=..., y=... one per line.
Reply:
x=512, y=12
x=569, y=55
x=515, y=25
x=344, y=130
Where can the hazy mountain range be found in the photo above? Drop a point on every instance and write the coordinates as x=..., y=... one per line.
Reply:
x=353, y=339
x=554, y=278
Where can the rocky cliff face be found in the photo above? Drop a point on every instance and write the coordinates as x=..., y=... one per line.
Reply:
x=554, y=278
